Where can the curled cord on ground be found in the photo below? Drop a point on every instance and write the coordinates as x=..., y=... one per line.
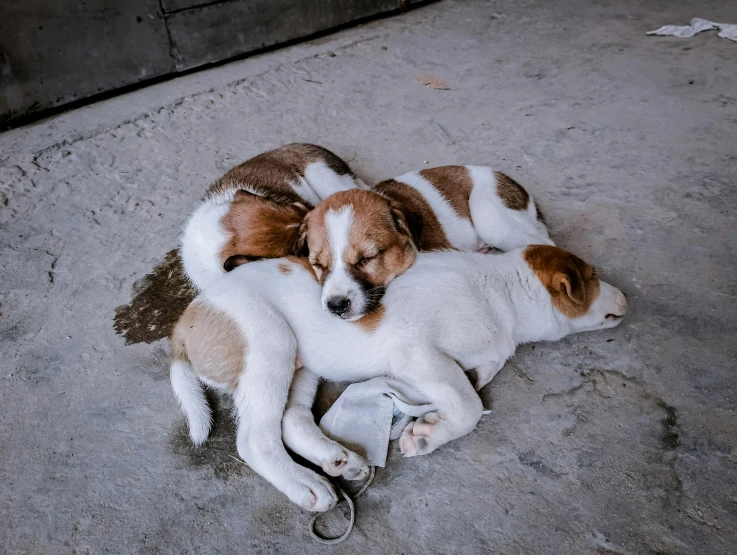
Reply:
x=332, y=541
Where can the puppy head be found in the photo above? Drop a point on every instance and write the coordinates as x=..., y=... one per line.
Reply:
x=575, y=290
x=259, y=228
x=358, y=242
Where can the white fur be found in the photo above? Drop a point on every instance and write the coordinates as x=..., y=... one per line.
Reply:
x=324, y=182
x=497, y=225
x=459, y=231
x=339, y=283
x=191, y=397
x=203, y=239
x=449, y=313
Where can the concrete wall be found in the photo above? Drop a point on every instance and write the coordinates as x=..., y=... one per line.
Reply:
x=53, y=52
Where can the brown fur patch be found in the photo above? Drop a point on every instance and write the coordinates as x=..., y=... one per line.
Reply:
x=212, y=342
x=285, y=268
x=260, y=228
x=372, y=320
x=455, y=184
x=431, y=236
x=379, y=232
x=271, y=173
x=571, y=282
x=513, y=195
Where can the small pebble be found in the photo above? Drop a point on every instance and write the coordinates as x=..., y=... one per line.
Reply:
x=425, y=161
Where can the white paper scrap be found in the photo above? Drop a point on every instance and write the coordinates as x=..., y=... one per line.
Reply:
x=726, y=30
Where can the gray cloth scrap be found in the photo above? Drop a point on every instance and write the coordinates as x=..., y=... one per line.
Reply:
x=370, y=414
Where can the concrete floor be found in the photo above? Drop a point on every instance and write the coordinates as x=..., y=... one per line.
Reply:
x=626, y=442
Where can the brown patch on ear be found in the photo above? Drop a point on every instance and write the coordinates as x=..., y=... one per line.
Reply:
x=259, y=228
x=426, y=230
x=407, y=222
x=571, y=282
x=301, y=247
x=371, y=321
x=513, y=195
x=212, y=342
x=455, y=184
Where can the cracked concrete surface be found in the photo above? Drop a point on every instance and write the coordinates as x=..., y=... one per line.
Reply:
x=626, y=442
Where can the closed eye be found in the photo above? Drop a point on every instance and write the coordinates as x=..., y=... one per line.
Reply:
x=364, y=261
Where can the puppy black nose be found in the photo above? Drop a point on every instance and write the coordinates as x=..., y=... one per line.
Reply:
x=338, y=305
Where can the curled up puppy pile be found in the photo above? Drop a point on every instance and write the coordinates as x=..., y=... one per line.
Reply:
x=304, y=272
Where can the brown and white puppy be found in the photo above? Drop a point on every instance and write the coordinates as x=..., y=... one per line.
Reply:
x=254, y=211
x=355, y=237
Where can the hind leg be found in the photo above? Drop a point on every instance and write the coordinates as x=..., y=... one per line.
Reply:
x=302, y=435
x=441, y=381
x=498, y=225
x=260, y=400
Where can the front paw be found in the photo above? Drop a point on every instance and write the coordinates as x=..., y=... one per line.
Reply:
x=314, y=493
x=416, y=438
x=346, y=463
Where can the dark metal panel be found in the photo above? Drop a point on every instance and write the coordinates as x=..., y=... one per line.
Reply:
x=56, y=51
x=227, y=29
x=170, y=6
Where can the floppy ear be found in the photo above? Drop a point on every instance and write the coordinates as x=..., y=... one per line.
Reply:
x=570, y=283
x=407, y=222
x=301, y=248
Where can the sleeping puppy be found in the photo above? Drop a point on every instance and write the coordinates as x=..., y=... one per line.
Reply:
x=254, y=211
x=449, y=313
x=359, y=241
x=471, y=208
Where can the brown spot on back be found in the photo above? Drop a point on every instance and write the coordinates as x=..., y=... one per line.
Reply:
x=513, y=195
x=271, y=174
x=285, y=268
x=260, y=228
x=431, y=236
x=455, y=184
x=571, y=282
x=211, y=341
x=159, y=299
x=372, y=320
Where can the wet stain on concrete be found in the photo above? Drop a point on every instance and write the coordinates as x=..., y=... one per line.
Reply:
x=669, y=438
x=219, y=449
x=605, y=384
x=159, y=299
x=529, y=458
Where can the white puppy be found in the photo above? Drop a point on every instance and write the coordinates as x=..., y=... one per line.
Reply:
x=449, y=313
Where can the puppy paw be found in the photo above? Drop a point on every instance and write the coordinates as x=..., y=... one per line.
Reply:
x=416, y=437
x=314, y=493
x=345, y=463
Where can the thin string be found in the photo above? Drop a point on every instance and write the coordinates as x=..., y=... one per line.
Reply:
x=351, y=506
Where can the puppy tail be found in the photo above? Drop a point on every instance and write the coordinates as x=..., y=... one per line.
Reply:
x=191, y=396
